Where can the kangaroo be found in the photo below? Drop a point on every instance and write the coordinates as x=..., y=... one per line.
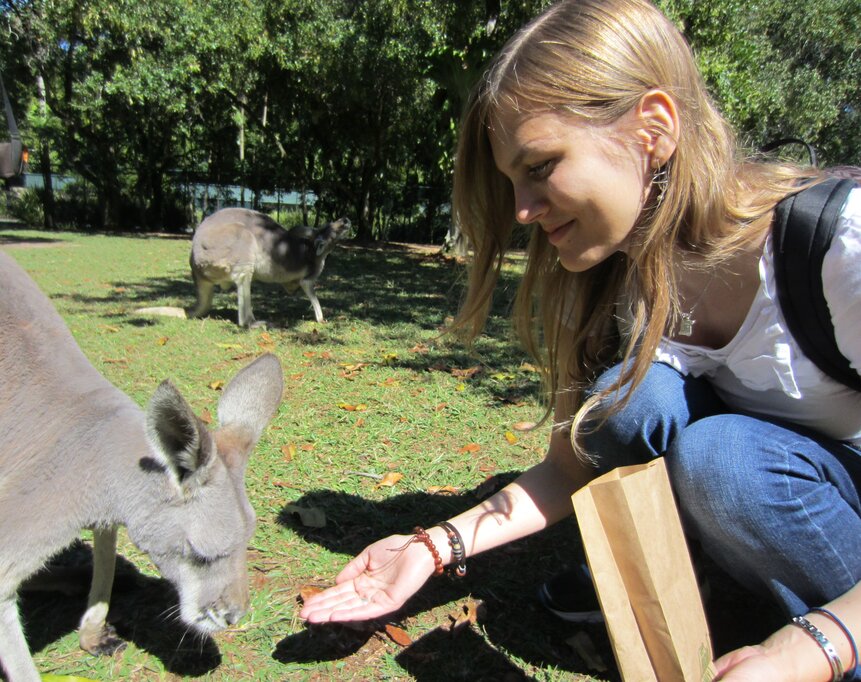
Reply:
x=78, y=453
x=238, y=246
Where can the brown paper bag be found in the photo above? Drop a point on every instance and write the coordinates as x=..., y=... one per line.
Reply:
x=643, y=574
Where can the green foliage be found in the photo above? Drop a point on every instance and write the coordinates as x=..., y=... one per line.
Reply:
x=26, y=206
x=357, y=102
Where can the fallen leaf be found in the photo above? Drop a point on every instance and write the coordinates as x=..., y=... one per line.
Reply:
x=419, y=348
x=389, y=358
x=205, y=416
x=110, y=328
x=307, y=447
x=289, y=452
x=470, y=447
x=523, y=426
x=360, y=422
x=361, y=407
x=460, y=387
x=162, y=340
x=398, y=635
x=307, y=591
x=440, y=407
x=510, y=437
x=389, y=480
x=216, y=385
x=466, y=373
x=443, y=490
x=311, y=517
x=467, y=614
x=353, y=367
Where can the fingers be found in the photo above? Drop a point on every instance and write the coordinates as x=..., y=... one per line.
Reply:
x=343, y=603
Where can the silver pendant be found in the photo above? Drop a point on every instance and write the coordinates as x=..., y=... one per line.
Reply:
x=686, y=326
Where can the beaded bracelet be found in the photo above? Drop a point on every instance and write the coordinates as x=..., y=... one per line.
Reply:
x=826, y=646
x=458, y=552
x=422, y=536
x=839, y=623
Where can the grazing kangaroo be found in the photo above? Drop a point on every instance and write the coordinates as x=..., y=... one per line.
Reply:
x=238, y=246
x=78, y=453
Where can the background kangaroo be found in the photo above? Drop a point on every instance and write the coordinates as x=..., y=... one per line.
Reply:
x=78, y=453
x=238, y=246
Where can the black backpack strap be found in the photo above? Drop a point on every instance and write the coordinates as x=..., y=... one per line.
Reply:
x=804, y=224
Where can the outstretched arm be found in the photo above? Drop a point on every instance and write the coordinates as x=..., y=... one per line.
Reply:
x=390, y=571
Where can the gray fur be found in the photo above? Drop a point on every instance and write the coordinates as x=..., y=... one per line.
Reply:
x=78, y=453
x=237, y=246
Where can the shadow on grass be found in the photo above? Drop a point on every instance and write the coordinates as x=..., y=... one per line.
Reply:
x=138, y=607
x=380, y=285
x=503, y=581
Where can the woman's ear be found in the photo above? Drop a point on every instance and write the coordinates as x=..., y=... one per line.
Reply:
x=659, y=126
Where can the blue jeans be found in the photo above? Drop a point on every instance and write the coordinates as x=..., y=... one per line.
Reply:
x=776, y=506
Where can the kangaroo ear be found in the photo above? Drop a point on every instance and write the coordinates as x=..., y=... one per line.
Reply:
x=251, y=398
x=179, y=438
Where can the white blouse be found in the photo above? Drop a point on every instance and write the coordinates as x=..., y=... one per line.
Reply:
x=763, y=370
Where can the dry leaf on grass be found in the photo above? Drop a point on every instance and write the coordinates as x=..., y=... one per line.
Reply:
x=398, y=635
x=389, y=480
x=289, y=452
x=443, y=490
x=307, y=591
x=468, y=614
x=523, y=426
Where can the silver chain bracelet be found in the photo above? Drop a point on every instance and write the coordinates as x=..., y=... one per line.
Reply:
x=826, y=646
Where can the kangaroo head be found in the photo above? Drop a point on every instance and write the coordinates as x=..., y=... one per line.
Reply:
x=327, y=236
x=198, y=528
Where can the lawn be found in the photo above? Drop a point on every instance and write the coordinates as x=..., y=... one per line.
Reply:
x=383, y=426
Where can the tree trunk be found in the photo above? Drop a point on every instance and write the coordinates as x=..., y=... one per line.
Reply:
x=48, y=205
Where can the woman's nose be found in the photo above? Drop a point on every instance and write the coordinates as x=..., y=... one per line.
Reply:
x=528, y=206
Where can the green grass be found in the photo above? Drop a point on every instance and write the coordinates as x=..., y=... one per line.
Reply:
x=379, y=351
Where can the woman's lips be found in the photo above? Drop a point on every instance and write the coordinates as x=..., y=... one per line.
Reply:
x=557, y=234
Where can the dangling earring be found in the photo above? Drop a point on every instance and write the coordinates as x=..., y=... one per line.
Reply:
x=661, y=180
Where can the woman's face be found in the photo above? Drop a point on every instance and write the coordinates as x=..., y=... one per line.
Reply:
x=584, y=185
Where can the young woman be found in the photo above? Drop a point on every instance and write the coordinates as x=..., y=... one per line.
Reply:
x=649, y=296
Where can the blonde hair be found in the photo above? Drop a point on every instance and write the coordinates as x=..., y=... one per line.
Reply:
x=593, y=60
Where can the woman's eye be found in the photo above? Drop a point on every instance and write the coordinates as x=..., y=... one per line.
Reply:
x=540, y=170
